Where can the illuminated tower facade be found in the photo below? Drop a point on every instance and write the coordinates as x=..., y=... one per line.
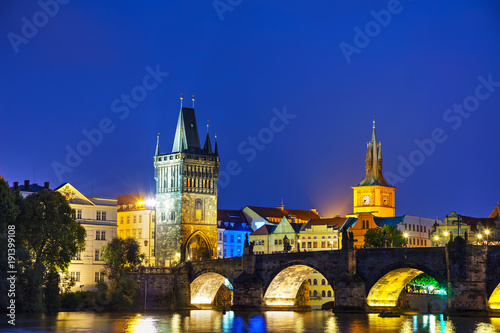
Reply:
x=186, y=196
x=374, y=194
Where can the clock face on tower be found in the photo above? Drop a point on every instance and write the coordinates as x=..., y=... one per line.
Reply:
x=367, y=199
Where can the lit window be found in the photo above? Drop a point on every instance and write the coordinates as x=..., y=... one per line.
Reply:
x=315, y=282
x=128, y=219
x=323, y=293
x=323, y=282
x=329, y=293
x=79, y=214
x=140, y=218
x=139, y=233
x=121, y=220
x=135, y=219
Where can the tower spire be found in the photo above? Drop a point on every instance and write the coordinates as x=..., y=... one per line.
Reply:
x=216, y=149
x=207, y=148
x=193, y=102
x=181, y=99
x=374, y=162
x=157, y=152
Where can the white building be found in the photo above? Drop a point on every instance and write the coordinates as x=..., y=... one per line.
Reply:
x=98, y=216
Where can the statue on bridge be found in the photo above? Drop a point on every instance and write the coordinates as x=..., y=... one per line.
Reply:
x=286, y=245
x=248, y=246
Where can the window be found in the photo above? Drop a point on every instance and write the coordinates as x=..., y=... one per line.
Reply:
x=231, y=238
x=139, y=233
x=103, y=235
x=406, y=226
x=232, y=252
x=78, y=256
x=172, y=216
x=128, y=219
x=127, y=233
x=135, y=218
x=99, y=277
x=425, y=228
x=75, y=276
x=309, y=280
x=425, y=242
x=121, y=220
x=97, y=255
x=220, y=235
x=418, y=241
x=97, y=235
x=315, y=293
x=140, y=218
x=79, y=214
x=198, y=206
x=225, y=252
x=323, y=293
x=308, y=245
x=315, y=244
x=315, y=282
x=329, y=293
x=239, y=239
x=134, y=233
x=413, y=227
x=103, y=216
x=225, y=238
x=98, y=215
x=323, y=282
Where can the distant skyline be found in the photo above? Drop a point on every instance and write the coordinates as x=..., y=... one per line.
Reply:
x=99, y=81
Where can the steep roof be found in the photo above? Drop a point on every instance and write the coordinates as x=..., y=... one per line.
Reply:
x=186, y=134
x=132, y=199
x=267, y=212
x=266, y=229
x=374, y=163
x=496, y=212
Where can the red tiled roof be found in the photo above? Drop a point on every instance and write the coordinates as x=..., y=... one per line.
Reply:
x=131, y=199
x=268, y=212
x=336, y=222
x=495, y=212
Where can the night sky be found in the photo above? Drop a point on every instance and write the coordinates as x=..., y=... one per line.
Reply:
x=330, y=66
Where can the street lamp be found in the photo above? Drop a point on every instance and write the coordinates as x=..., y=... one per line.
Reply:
x=406, y=238
x=436, y=238
x=479, y=236
x=487, y=232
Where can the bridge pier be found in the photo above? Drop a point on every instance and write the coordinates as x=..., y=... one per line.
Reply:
x=248, y=292
x=466, y=278
x=350, y=294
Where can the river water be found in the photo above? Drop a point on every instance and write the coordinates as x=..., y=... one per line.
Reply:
x=270, y=321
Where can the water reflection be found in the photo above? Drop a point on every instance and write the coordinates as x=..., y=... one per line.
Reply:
x=271, y=321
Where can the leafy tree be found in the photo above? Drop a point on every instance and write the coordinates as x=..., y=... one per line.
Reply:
x=393, y=237
x=374, y=237
x=121, y=256
x=8, y=214
x=50, y=235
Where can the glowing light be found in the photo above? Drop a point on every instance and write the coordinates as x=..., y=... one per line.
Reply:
x=142, y=325
x=286, y=284
x=386, y=290
x=487, y=232
x=406, y=235
x=436, y=237
x=446, y=233
x=279, y=302
x=150, y=202
x=479, y=236
x=205, y=287
x=140, y=203
x=259, y=224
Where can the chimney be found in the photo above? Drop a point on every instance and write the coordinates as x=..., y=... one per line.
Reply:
x=46, y=185
x=314, y=211
x=26, y=184
x=16, y=185
x=282, y=207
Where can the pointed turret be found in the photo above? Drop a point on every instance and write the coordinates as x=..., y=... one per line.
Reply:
x=374, y=163
x=216, y=151
x=186, y=134
x=157, y=151
x=207, y=148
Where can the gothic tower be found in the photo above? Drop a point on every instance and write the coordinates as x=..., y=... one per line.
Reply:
x=374, y=194
x=186, y=196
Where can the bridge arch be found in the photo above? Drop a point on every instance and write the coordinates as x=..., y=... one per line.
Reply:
x=389, y=282
x=205, y=286
x=284, y=283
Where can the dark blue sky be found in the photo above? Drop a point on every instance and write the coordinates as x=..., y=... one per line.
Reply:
x=257, y=56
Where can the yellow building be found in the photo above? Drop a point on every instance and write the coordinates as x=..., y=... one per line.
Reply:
x=374, y=194
x=136, y=219
x=98, y=217
x=320, y=291
x=321, y=234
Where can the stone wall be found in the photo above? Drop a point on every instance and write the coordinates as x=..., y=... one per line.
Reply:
x=223, y=298
x=423, y=303
x=156, y=289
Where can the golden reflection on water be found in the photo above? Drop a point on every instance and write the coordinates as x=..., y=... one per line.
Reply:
x=331, y=325
x=141, y=324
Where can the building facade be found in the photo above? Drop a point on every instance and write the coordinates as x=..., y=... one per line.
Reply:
x=186, y=196
x=321, y=234
x=98, y=217
x=136, y=219
x=232, y=230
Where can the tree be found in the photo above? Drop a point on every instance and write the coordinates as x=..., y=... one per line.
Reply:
x=121, y=256
x=51, y=236
x=8, y=215
x=396, y=236
x=374, y=237
x=393, y=237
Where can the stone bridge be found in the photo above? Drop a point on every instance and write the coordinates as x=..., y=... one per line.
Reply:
x=362, y=279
